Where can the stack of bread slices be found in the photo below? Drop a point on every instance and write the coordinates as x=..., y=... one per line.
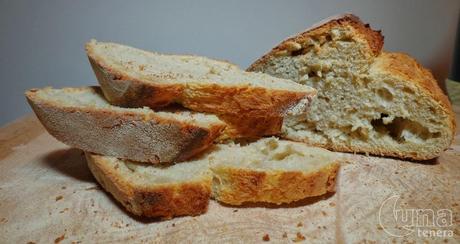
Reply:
x=166, y=133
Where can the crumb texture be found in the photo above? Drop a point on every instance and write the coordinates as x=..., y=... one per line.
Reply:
x=268, y=170
x=272, y=171
x=135, y=78
x=170, y=69
x=373, y=102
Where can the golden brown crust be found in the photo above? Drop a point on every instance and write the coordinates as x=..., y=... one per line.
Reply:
x=129, y=135
x=250, y=127
x=238, y=185
x=165, y=201
x=404, y=67
x=121, y=91
x=373, y=38
x=237, y=101
x=124, y=90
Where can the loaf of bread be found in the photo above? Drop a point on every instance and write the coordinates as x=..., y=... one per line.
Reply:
x=268, y=170
x=82, y=118
x=368, y=101
x=135, y=78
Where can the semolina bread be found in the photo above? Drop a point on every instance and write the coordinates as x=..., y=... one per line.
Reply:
x=268, y=170
x=82, y=118
x=368, y=101
x=135, y=78
x=154, y=190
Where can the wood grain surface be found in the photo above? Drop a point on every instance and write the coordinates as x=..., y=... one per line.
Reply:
x=47, y=194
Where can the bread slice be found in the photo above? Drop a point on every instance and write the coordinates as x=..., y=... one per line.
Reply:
x=82, y=118
x=154, y=190
x=269, y=170
x=135, y=78
x=368, y=101
x=272, y=171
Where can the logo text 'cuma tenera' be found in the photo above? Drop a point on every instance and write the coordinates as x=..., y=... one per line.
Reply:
x=399, y=222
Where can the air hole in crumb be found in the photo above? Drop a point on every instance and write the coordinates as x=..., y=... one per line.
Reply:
x=359, y=134
x=407, y=90
x=385, y=94
x=401, y=130
x=297, y=52
x=346, y=39
x=312, y=74
x=326, y=99
x=216, y=181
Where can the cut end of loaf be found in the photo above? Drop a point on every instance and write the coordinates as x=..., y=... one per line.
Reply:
x=368, y=101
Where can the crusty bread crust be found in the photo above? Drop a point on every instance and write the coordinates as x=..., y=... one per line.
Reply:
x=165, y=201
x=122, y=134
x=236, y=186
x=373, y=38
x=404, y=67
x=250, y=127
x=123, y=90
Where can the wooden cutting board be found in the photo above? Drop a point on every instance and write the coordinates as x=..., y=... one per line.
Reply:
x=47, y=194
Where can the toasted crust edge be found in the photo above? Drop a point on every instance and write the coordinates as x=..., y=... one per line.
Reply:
x=250, y=127
x=123, y=90
x=194, y=138
x=407, y=68
x=165, y=201
x=374, y=38
x=239, y=185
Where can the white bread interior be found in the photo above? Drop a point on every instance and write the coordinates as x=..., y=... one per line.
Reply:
x=368, y=101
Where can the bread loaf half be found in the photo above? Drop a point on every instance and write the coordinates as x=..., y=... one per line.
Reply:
x=82, y=118
x=135, y=78
x=269, y=170
x=368, y=101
